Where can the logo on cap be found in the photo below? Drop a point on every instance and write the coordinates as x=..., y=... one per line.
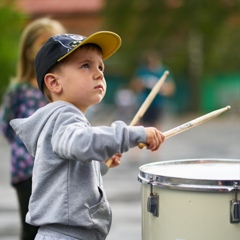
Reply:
x=64, y=40
x=73, y=44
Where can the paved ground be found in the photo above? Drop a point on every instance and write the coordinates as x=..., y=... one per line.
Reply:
x=218, y=138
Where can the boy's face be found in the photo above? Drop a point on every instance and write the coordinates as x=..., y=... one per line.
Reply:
x=82, y=79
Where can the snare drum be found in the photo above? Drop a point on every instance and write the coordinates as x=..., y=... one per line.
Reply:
x=192, y=199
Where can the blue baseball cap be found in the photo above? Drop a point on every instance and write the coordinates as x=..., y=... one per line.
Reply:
x=60, y=46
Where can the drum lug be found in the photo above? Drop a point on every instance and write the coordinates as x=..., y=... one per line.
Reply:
x=153, y=202
x=235, y=206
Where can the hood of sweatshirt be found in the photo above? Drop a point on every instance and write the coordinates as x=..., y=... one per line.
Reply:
x=29, y=129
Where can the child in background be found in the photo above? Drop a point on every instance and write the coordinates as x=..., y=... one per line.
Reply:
x=21, y=99
x=68, y=200
x=146, y=76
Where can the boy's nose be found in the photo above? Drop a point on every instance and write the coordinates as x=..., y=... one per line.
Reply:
x=99, y=74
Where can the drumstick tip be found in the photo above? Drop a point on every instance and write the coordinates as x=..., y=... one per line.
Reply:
x=228, y=107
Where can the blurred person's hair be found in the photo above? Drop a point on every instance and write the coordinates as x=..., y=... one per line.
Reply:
x=25, y=65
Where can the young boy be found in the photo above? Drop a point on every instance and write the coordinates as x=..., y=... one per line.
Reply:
x=68, y=200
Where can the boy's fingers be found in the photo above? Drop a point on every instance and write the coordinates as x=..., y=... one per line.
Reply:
x=156, y=141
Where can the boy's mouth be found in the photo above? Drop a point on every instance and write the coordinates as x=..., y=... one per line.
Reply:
x=99, y=87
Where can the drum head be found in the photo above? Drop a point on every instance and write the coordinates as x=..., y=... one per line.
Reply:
x=193, y=174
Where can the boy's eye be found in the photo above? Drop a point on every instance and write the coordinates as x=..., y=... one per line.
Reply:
x=86, y=65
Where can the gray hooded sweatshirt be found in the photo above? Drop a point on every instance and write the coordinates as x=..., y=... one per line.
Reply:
x=67, y=191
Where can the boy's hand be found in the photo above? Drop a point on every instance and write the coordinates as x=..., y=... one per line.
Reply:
x=154, y=138
x=115, y=160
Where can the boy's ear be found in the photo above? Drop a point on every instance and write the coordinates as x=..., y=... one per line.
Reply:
x=52, y=83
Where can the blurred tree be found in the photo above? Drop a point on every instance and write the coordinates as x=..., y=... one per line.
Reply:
x=11, y=25
x=194, y=37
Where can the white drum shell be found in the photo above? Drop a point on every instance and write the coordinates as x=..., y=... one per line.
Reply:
x=188, y=214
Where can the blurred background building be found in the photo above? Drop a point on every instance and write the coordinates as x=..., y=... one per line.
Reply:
x=83, y=17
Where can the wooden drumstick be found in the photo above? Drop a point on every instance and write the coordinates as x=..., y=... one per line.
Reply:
x=155, y=90
x=193, y=123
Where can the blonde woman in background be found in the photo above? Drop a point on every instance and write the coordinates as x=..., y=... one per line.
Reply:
x=21, y=99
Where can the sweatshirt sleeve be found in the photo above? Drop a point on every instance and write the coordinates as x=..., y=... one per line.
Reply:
x=73, y=138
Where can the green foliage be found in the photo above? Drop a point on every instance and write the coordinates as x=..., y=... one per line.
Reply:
x=11, y=25
x=195, y=38
x=167, y=27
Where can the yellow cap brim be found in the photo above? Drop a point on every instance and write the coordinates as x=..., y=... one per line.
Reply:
x=108, y=41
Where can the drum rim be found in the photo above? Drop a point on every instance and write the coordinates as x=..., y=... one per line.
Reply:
x=189, y=184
